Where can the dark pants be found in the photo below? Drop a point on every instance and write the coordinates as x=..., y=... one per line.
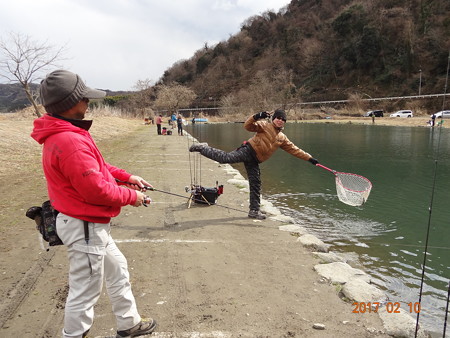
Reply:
x=244, y=154
x=180, y=129
x=158, y=128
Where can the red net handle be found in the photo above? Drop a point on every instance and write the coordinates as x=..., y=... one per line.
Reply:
x=326, y=168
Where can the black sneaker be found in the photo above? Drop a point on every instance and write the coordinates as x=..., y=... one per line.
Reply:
x=197, y=146
x=146, y=326
x=257, y=214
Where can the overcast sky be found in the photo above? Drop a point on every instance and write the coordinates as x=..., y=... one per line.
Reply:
x=112, y=44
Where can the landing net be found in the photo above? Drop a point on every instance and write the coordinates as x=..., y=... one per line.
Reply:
x=352, y=189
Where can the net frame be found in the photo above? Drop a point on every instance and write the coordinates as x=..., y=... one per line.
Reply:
x=352, y=189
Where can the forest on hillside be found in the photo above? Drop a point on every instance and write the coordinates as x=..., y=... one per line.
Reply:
x=315, y=50
x=308, y=51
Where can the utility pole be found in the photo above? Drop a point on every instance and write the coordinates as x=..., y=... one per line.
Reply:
x=420, y=80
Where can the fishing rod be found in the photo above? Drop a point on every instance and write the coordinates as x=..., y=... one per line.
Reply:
x=443, y=104
x=148, y=188
x=195, y=163
x=430, y=211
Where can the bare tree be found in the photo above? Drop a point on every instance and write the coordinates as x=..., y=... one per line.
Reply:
x=355, y=103
x=228, y=107
x=271, y=90
x=24, y=60
x=174, y=96
x=142, y=99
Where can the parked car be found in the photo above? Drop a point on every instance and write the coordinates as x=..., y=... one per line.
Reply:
x=402, y=113
x=442, y=114
x=376, y=113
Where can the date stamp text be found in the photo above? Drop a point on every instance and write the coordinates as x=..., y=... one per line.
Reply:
x=391, y=307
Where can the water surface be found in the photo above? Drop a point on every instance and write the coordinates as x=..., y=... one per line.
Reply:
x=409, y=168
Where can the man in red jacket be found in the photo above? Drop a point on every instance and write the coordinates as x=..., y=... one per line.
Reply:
x=84, y=189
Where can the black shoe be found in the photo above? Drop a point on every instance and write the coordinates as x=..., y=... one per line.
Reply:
x=197, y=146
x=257, y=214
x=146, y=326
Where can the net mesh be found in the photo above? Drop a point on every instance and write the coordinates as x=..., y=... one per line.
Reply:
x=352, y=189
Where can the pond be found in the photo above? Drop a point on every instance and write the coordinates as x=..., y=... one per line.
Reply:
x=409, y=168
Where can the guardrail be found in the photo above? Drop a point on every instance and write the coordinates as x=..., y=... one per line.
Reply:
x=428, y=96
x=378, y=99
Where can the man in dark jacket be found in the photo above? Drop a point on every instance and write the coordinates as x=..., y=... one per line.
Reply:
x=267, y=139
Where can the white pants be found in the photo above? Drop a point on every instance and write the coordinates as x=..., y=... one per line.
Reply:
x=88, y=265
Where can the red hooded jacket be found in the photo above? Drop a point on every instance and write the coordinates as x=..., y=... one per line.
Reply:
x=80, y=183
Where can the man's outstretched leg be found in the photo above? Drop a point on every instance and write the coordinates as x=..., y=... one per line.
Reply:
x=242, y=154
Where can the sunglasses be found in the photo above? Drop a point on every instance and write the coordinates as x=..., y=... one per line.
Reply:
x=280, y=118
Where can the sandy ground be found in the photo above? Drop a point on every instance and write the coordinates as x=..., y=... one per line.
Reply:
x=203, y=271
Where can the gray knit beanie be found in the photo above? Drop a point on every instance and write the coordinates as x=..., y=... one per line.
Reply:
x=62, y=90
x=279, y=113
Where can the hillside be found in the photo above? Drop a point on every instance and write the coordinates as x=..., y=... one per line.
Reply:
x=326, y=50
x=13, y=98
x=316, y=50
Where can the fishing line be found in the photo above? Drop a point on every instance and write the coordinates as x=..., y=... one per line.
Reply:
x=177, y=195
x=199, y=156
x=431, y=206
x=190, y=160
x=446, y=310
x=195, y=161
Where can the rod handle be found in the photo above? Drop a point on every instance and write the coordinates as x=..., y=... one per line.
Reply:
x=326, y=168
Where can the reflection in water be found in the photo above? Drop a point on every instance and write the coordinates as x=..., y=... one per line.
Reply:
x=388, y=232
x=334, y=225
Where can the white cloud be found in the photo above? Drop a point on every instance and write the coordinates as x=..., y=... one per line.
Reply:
x=114, y=43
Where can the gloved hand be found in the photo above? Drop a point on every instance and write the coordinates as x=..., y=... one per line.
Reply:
x=313, y=161
x=261, y=115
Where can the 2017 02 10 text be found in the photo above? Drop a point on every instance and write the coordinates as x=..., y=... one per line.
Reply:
x=391, y=307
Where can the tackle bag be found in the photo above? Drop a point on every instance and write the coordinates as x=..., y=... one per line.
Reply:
x=45, y=218
x=207, y=195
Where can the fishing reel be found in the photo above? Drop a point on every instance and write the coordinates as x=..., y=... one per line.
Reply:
x=147, y=200
x=194, y=189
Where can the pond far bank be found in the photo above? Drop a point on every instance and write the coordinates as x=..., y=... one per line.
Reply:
x=380, y=121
